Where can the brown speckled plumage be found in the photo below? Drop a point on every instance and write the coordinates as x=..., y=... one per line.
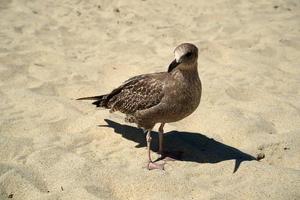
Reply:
x=158, y=97
x=140, y=93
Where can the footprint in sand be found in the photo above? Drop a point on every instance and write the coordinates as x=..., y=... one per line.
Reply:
x=47, y=89
x=239, y=94
x=21, y=177
x=101, y=191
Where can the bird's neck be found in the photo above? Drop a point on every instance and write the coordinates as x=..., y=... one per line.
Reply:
x=185, y=71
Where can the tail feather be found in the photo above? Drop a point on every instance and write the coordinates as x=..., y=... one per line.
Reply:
x=92, y=98
x=100, y=100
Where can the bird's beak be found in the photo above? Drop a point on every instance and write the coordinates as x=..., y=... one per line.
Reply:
x=174, y=64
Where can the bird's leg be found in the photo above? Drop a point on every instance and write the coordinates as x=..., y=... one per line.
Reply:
x=151, y=164
x=148, y=139
x=160, y=137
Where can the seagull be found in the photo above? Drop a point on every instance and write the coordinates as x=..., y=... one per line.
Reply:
x=161, y=97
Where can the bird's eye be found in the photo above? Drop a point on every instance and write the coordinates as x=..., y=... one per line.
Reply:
x=189, y=54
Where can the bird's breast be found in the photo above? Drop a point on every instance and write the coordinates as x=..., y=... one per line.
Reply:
x=183, y=98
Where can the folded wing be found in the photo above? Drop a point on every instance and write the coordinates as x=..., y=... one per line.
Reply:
x=138, y=93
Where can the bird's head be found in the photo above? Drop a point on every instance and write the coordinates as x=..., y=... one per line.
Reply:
x=186, y=55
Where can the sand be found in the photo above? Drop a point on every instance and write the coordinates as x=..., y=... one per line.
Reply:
x=54, y=147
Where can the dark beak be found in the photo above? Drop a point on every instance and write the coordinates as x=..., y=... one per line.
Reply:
x=173, y=65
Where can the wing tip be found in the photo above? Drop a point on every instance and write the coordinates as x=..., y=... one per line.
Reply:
x=91, y=98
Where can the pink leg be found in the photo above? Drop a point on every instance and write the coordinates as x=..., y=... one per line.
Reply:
x=151, y=164
x=160, y=137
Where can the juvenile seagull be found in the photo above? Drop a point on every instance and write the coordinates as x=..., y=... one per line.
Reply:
x=162, y=97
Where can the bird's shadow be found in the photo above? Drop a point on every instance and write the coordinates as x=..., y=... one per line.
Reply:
x=187, y=146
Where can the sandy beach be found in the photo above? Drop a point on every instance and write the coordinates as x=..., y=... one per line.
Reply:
x=54, y=147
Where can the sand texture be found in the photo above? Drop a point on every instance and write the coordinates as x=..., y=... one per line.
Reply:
x=54, y=147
